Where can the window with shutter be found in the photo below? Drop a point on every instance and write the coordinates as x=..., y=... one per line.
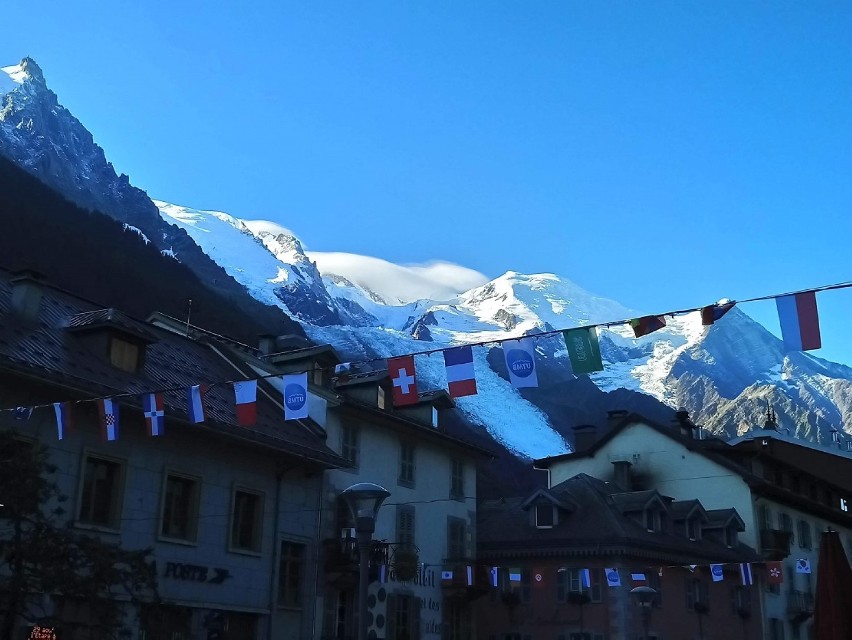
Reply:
x=405, y=526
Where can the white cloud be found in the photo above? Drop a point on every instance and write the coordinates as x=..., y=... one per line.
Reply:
x=437, y=280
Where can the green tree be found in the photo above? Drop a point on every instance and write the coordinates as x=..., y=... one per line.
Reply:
x=49, y=570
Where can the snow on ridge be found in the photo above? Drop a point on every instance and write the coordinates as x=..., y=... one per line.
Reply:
x=258, y=227
x=14, y=74
x=137, y=230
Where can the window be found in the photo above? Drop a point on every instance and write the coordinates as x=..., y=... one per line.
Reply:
x=569, y=586
x=291, y=571
x=380, y=398
x=405, y=526
x=406, y=463
x=403, y=616
x=350, y=443
x=740, y=600
x=180, y=507
x=526, y=595
x=656, y=583
x=652, y=519
x=544, y=516
x=457, y=479
x=101, y=500
x=696, y=595
x=456, y=538
x=776, y=629
x=124, y=355
x=731, y=536
x=804, y=534
x=246, y=521
x=693, y=529
x=765, y=517
x=786, y=524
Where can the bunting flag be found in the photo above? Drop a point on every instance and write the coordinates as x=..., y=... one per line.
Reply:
x=520, y=362
x=714, y=312
x=404, y=381
x=461, y=380
x=612, y=577
x=717, y=571
x=638, y=579
x=108, y=410
x=495, y=576
x=245, y=392
x=585, y=578
x=539, y=580
x=647, y=324
x=803, y=565
x=515, y=577
x=195, y=403
x=152, y=406
x=63, y=418
x=446, y=577
x=775, y=574
x=799, y=321
x=584, y=351
x=23, y=413
x=469, y=575
x=295, y=396
x=745, y=573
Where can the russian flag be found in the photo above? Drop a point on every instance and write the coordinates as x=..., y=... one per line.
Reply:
x=246, y=396
x=152, y=405
x=195, y=403
x=460, y=374
x=639, y=579
x=108, y=409
x=745, y=573
x=63, y=418
x=799, y=321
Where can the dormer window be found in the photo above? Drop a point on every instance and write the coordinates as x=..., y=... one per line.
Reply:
x=731, y=536
x=544, y=516
x=381, y=397
x=693, y=529
x=653, y=521
x=124, y=354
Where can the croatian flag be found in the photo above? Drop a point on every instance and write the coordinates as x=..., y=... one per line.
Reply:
x=108, y=410
x=745, y=573
x=401, y=372
x=716, y=570
x=155, y=420
x=612, y=577
x=246, y=396
x=63, y=418
x=799, y=321
x=296, y=396
x=585, y=578
x=638, y=579
x=195, y=404
x=520, y=362
x=460, y=375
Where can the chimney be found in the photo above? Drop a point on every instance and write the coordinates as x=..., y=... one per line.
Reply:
x=621, y=474
x=614, y=417
x=27, y=289
x=685, y=424
x=585, y=436
x=835, y=438
x=266, y=343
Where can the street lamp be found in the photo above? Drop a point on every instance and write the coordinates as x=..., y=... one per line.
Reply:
x=645, y=597
x=364, y=500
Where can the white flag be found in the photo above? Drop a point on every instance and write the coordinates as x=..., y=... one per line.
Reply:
x=716, y=570
x=520, y=361
x=296, y=396
x=612, y=577
x=803, y=565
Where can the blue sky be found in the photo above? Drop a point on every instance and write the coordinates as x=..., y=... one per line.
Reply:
x=661, y=154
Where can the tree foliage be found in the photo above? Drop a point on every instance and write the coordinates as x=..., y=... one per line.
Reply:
x=50, y=573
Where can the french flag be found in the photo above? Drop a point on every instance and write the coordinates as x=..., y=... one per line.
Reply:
x=63, y=418
x=639, y=579
x=155, y=414
x=460, y=374
x=246, y=396
x=799, y=321
x=108, y=409
x=195, y=403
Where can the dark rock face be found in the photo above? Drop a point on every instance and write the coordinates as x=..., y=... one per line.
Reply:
x=41, y=136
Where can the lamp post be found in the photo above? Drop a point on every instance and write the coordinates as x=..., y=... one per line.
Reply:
x=364, y=500
x=645, y=597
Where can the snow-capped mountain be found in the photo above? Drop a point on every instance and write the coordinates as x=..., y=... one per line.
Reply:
x=726, y=375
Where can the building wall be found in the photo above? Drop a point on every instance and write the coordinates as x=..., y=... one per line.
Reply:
x=188, y=572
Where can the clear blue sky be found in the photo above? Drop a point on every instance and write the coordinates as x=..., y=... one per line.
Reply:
x=662, y=154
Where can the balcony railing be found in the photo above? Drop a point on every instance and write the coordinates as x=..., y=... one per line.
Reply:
x=341, y=554
x=800, y=605
x=775, y=544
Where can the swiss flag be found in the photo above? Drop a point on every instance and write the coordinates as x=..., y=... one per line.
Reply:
x=774, y=574
x=539, y=578
x=401, y=372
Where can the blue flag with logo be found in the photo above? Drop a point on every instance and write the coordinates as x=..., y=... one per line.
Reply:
x=296, y=396
x=520, y=361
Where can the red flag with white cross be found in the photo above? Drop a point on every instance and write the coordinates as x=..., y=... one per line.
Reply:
x=401, y=372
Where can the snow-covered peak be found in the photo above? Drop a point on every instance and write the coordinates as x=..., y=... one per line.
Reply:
x=15, y=75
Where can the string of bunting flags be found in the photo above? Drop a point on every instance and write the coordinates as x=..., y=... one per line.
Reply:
x=797, y=312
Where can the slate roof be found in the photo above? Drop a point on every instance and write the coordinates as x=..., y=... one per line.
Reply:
x=596, y=527
x=52, y=350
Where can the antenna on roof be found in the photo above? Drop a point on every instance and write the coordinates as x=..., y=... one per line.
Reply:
x=771, y=420
x=188, y=315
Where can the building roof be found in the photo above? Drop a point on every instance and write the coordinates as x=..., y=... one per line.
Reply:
x=51, y=350
x=597, y=526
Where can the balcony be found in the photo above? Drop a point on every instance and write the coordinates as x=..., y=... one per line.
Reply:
x=458, y=588
x=800, y=606
x=775, y=544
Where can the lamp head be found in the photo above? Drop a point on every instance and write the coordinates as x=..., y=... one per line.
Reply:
x=644, y=595
x=364, y=500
